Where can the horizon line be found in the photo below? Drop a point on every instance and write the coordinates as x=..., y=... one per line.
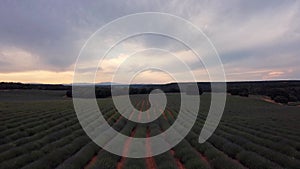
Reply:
x=117, y=83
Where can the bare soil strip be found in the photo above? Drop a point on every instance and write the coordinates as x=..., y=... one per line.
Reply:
x=94, y=158
x=92, y=161
x=126, y=150
x=178, y=162
x=150, y=162
x=267, y=99
x=202, y=157
x=127, y=144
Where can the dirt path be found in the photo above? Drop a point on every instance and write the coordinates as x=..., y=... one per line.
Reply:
x=127, y=143
x=165, y=117
x=202, y=157
x=267, y=99
x=150, y=161
x=141, y=111
x=205, y=158
x=148, y=115
x=126, y=149
x=91, y=162
x=169, y=111
x=148, y=107
x=132, y=113
x=94, y=158
x=130, y=116
x=178, y=162
x=119, y=118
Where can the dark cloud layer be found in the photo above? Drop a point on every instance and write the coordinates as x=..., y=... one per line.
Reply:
x=54, y=31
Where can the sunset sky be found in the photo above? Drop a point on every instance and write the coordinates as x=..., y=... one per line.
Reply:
x=256, y=40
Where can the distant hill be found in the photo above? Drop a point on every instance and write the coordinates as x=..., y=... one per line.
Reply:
x=108, y=84
x=97, y=84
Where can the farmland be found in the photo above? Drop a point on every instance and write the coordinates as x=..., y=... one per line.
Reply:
x=45, y=133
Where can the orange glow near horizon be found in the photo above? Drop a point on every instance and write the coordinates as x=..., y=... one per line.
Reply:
x=46, y=77
x=147, y=77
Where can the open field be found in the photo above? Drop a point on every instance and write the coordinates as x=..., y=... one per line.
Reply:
x=45, y=133
x=21, y=95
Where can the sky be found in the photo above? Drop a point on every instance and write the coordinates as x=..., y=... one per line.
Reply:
x=256, y=40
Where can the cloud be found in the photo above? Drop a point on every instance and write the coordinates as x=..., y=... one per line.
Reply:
x=254, y=38
x=13, y=59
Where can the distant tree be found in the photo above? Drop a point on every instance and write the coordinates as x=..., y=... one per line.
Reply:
x=103, y=92
x=297, y=94
x=173, y=90
x=133, y=91
x=292, y=98
x=298, y=97
x=234, y=92
x=281, y=99
x=143, y=91
x=278, y=92
x=244, y=92
x=149, y=90
x=200, y=90
x=69, y=93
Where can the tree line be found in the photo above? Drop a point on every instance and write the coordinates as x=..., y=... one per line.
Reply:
x=279, y=91
x=105, y=91
x=13, y=85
